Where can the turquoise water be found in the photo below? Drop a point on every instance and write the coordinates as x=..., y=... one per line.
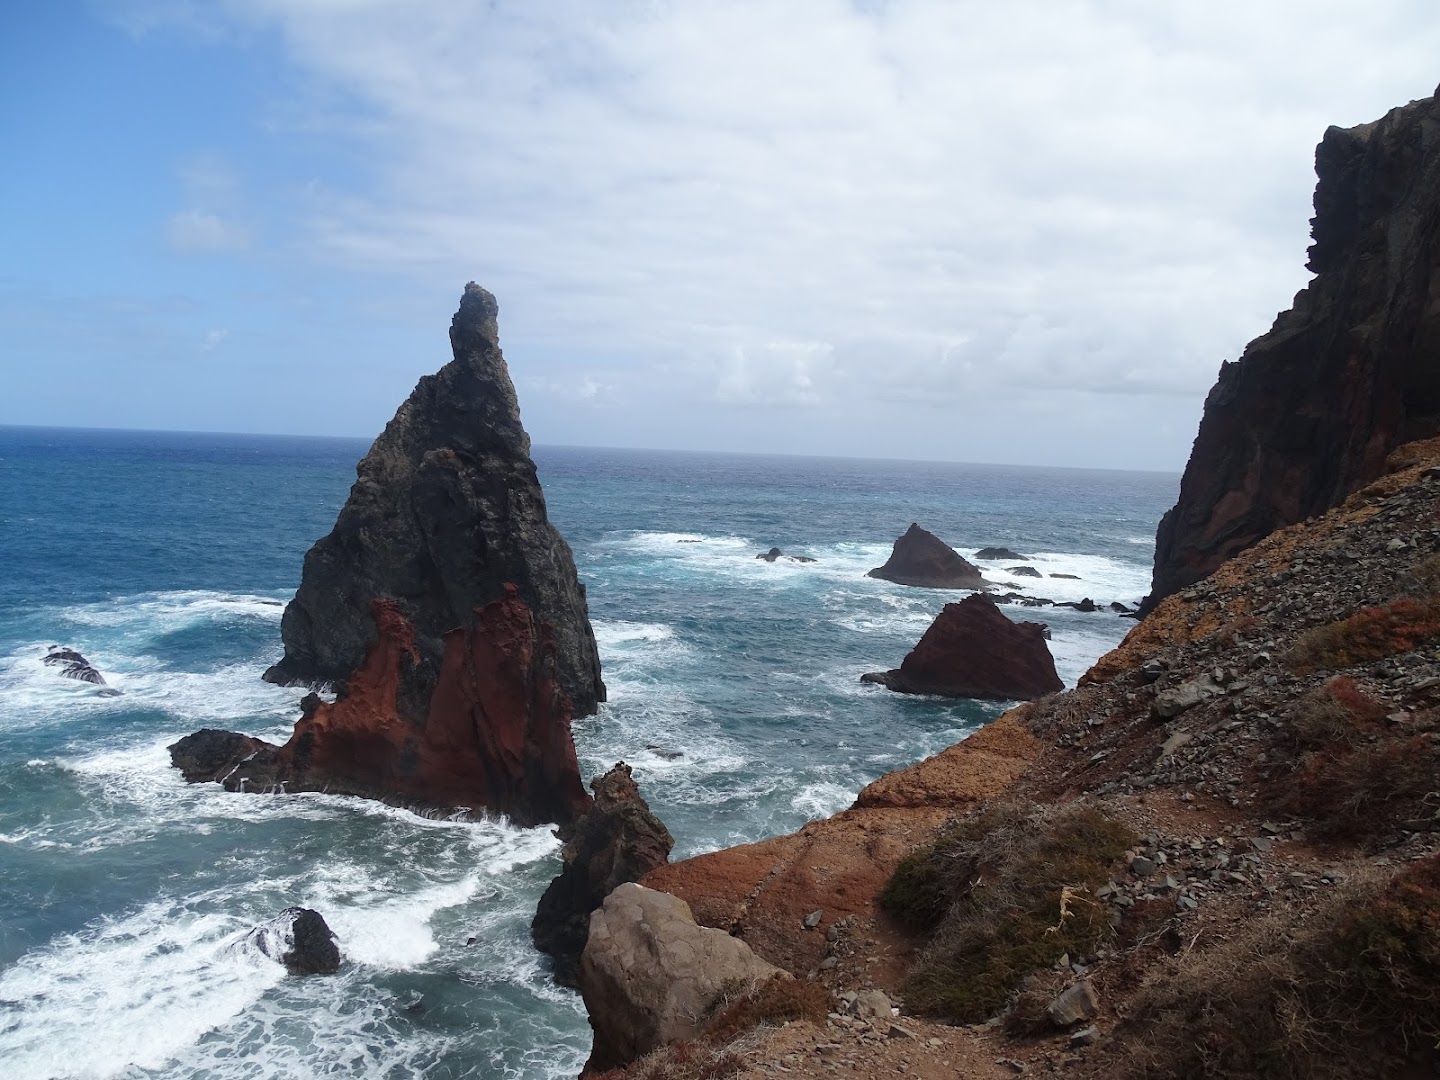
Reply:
x=164, y=558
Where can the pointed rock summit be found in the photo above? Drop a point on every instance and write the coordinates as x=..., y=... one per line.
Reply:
x=446, y=509
x=444, y=611
x=922, y=559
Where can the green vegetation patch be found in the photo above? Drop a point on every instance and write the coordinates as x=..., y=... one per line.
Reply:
x=1001, y=895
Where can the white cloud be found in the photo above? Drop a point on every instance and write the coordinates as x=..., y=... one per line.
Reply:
x=213, y=339
x=196, y=231
x=945, y=200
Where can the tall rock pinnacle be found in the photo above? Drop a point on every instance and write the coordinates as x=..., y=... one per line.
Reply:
x=1311, y=409
x=445, y=511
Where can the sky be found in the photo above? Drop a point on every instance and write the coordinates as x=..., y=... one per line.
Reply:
x=928, y=229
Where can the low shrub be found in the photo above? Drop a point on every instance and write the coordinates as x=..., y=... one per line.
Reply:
x=680, y=1061
x=1352, y=793
x=1015, y=888
x=1370, y=634
x=1353, y=992
x=1336, y=714
x=776, y=1001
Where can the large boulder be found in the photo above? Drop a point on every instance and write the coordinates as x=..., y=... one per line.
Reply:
x=445, y=511
x=650, y=974
x=922, y=559
x=495, y=735
x=617, y=840
x=972, y=650
x=1311, y=409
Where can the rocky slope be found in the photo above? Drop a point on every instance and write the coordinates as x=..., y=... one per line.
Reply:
x=1269, y=742
x=1355, y=361
x=445, y=511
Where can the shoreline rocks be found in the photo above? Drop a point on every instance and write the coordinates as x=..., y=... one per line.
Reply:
x=73, y=665
x=300, y=940
x=617, y=840
x=650, y=973
x=923, y=560
x=972, y=650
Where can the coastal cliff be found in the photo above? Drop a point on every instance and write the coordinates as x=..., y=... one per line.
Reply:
x=1311, y=409
x=1230, y=819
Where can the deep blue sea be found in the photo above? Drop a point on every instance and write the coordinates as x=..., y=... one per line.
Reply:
x=734, y=690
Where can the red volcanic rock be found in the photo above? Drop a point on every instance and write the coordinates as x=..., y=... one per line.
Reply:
x=972, y=650
x=922, y=559
x=495, y=734
x=1311, y=409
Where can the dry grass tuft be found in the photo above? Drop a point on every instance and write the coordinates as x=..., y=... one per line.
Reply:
x=1003, y=894
x=1355, y=991
x=680, y=1061
x=776, y=1001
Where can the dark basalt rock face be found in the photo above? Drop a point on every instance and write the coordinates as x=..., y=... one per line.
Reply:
x=1023, y=571
x=72, y=665
x=1311, y=409
x=617, y=840
x=972, y=650
x=301, y=940
x=495, y=735
x=922, y=559
x=446, y=509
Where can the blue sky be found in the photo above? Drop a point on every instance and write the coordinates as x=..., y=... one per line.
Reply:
x=912, y=228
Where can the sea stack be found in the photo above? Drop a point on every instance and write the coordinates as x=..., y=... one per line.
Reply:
x=972, y=650
x=445, y=612
x=922, y=559
x=1311, y=409
x=446, y=509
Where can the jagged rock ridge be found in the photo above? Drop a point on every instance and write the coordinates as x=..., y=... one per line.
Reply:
x=1312, y=408
x=446, y=509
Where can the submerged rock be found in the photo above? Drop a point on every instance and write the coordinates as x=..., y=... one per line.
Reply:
x=617, y=840
x=994, y=554
x=301, y=940
x=775, y=553
x=1309, y=412
x=73, y=666
x=650, y=974
x=922, y=559
x=445, y=511
x=1023, y=571
x=972, y=650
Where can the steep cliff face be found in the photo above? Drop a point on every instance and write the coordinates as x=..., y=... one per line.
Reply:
x=1312, y=408
x=446, y=509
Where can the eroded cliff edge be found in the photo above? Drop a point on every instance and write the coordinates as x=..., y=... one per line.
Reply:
x=445, y=511
x=1309, y=412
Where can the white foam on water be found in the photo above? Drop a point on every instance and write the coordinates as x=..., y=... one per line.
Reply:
x=166, y=612
x=127, y=992
x=822, y=799
x=1100, y=578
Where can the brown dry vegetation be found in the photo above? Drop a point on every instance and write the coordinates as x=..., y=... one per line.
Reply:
x=1370, y=634
x=1353, y=992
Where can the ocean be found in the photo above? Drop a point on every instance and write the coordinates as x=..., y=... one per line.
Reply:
x=734, y=693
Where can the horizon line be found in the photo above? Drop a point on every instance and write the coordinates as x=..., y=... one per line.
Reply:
x=583, y=446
